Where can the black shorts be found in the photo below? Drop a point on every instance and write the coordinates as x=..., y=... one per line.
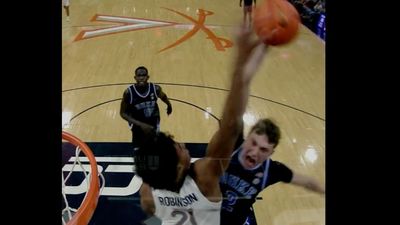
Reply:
x=248, y=2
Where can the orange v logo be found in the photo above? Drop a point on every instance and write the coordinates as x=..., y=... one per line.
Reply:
x=132, y=24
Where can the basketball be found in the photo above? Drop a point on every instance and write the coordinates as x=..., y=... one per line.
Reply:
x=276, y=22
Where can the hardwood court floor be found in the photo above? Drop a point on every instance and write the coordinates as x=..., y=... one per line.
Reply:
x=106, y=40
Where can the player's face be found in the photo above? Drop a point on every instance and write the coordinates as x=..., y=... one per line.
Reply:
x=141, y=80
x=256, y=149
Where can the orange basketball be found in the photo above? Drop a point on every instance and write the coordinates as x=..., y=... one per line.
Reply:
x=276, y=22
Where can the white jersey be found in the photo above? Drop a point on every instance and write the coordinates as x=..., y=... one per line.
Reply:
x=65, y=2
x=189, y=207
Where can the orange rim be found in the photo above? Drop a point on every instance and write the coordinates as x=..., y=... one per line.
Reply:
x=86, y=210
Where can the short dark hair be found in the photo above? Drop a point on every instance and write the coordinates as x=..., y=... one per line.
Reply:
x=141, y=68
x=268, y=127
x=156, y=161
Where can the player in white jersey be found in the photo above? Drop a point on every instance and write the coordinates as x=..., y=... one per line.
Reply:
x=179, y=192
x=188, y=205
x=66, y=7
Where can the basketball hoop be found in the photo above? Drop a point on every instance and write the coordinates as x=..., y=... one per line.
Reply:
x=84, y=213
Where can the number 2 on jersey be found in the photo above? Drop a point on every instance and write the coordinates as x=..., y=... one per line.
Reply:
x=185, y=216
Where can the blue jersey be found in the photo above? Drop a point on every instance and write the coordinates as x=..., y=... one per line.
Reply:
x=240, y=187
x=143, y=106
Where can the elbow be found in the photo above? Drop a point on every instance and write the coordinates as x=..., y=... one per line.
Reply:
x=148, y=209
x=123, y=115
x=313, y=186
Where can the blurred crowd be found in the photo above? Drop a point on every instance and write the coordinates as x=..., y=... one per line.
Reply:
x=311, y=13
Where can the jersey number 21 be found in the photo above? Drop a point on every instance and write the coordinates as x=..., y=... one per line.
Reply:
x=185, y=216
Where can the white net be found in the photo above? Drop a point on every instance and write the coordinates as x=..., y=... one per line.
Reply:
x=90, y=173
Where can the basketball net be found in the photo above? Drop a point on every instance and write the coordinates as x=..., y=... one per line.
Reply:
x=82, y=214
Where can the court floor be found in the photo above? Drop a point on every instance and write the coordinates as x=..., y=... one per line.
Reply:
x=188, y=47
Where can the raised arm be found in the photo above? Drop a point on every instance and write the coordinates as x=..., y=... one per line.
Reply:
x=249, y=57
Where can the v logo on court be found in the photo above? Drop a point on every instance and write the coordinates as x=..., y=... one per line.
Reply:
x=134, y=24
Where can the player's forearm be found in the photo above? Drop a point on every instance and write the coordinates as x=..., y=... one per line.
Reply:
x=316, y=187
x=236, y=103
x=146, y=199
x=307, y=182
x=223, y=143
x=133, y=121
x=165, y=99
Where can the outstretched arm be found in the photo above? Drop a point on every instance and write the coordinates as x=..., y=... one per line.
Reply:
x=249, y=57
x=164, y=98
x=307, y=182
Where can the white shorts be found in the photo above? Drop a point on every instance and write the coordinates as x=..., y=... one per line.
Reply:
x=65, y=2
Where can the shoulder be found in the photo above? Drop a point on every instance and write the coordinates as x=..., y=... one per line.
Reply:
x=127, y=92
x=157, y=87
x=129, y=88
x=278, y=171
x=278, y=166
